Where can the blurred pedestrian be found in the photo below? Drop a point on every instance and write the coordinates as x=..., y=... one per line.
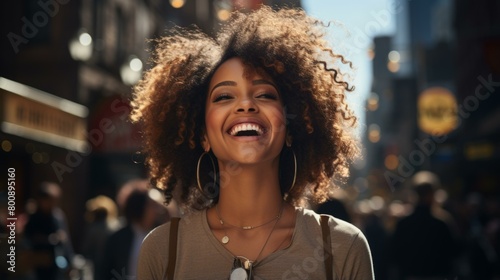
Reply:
x=47, y=235
x=142, y=213
x=102, y=221
x=483, y=236
x=335, y=206
x=423, y=245
x=378, y=238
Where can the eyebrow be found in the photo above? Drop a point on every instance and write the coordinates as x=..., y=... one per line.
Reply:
x=224, y=83
x=254, y=82
x=264, y=82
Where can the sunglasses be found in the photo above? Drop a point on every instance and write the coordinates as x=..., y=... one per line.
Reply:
x=242, y=269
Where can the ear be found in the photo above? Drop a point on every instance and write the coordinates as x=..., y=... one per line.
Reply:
x=204, y=142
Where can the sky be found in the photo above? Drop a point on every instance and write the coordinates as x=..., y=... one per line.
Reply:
x=356, y=23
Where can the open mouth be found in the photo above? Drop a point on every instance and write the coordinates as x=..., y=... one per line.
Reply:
x=246, y=129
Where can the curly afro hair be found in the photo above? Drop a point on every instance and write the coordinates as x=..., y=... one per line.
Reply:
x=290, y=47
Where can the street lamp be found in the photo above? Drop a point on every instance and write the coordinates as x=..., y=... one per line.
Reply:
x=223, y=9
x=177, y=3
x=131, y=70
x=80, y=46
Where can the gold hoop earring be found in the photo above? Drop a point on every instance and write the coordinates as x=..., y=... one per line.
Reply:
x=198, y=173
x=294, y=170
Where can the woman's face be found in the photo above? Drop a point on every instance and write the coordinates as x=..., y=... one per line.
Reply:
x=244, y=116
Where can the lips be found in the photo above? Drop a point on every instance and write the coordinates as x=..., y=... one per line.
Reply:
x=246, y=129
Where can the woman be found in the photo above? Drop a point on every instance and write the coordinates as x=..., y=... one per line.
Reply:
x=245, y=128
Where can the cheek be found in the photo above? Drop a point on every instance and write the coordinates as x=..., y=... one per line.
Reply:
x=213, y=123
x=278, y=119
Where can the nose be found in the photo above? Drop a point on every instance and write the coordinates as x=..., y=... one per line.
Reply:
x=246, y=106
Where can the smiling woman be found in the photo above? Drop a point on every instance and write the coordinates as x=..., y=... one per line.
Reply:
x=248, y=126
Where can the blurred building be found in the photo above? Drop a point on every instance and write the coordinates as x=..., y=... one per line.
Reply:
x=477, y=79
x=432, y=104
x=379, y=104
x=66, y=74
x=43, y=119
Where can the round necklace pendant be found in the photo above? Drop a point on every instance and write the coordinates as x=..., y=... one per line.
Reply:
x=238, y=274
x=225, y=239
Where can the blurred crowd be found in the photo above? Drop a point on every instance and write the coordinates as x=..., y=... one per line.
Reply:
x=419, y=233
x=114, y=231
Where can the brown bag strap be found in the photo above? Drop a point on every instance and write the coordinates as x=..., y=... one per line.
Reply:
x=327, y=246
x=172, y=247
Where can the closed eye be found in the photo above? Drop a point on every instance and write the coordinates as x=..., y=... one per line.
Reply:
x=271, y=96
x=221, y=97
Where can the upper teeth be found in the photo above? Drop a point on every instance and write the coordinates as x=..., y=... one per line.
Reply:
x=246, y=127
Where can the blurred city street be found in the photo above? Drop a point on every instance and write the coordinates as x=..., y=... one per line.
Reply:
x=74, y=189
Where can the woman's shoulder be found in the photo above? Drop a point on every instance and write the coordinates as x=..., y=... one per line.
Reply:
x=154, y=252
x=161, y=233
x=352, y=257
x=337, y=226
x=157, y=240
x=153, y=256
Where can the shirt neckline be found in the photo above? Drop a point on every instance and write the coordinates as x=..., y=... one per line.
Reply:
x=230, y=257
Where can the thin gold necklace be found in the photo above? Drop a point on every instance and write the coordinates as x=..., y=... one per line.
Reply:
x=245, y=270
x=225, y=238
x=222, y=222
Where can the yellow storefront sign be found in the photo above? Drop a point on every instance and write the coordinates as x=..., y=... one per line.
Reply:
x=437, y=111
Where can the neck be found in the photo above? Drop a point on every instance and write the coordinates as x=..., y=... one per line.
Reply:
x=249, y=194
